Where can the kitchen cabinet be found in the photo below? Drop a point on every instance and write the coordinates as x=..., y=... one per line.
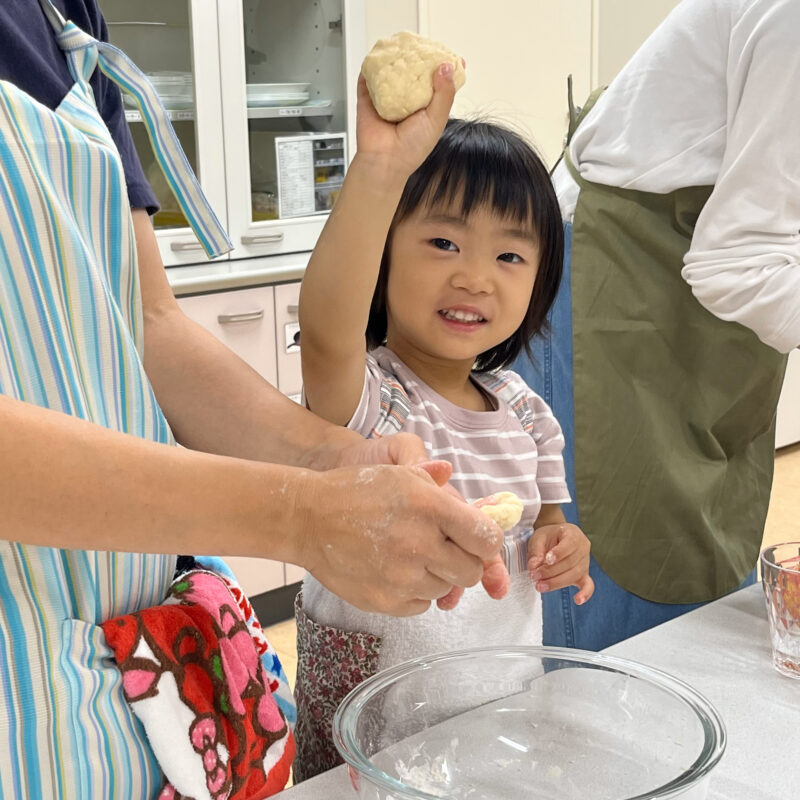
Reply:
x=315, y=46
x=287, y=339
x=174, y=43
x=244, y=320
x=260, y=325
x=261, y=94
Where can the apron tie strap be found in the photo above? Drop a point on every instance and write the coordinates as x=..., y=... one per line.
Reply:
x=85, y=54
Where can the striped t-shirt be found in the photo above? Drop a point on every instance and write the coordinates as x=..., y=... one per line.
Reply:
x=490, y=451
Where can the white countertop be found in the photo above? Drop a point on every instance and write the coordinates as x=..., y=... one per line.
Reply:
x=723, y=651
x=237, y=273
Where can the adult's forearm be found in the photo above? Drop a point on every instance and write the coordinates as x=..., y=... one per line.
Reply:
x=69, y=483
x=213, y=401
x=385, y=538
x=217, y=403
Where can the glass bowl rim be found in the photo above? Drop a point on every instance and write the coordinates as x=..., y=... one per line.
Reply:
x=710, y=719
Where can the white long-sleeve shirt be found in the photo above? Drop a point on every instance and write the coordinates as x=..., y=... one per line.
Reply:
x=713, y=98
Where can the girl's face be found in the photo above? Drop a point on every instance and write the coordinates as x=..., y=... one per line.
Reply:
x=457, y=287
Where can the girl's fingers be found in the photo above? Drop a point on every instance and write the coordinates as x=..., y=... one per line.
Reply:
x=444, y=91
x=450, y=600
x=585, y=590
x=562, y=549
x=573, y=576
x=572, y=561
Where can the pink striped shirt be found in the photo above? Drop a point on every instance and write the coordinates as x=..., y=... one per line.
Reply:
x=516, y=447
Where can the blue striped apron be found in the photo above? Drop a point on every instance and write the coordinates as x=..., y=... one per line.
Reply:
x=71, y=340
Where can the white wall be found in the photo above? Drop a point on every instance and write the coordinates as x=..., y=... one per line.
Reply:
x=620, y=27
x=385, y=17
x=519, y=52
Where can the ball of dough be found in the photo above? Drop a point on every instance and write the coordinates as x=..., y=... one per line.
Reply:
x=505, y=508
x=399, y=73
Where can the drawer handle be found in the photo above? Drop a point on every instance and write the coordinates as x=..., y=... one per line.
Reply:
x=185, y=245
x=262, y=238
x=243, y=316
x=292, y=309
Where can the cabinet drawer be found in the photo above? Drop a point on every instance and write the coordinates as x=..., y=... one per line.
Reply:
x=294, y=574
x=257, y=575
x=287, y=335
x=244, y=320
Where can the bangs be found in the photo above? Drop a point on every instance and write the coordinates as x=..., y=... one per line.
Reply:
x=477, y=165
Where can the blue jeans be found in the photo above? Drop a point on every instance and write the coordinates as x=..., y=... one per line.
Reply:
x=613, y=613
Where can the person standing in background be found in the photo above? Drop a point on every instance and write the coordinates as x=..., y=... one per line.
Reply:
x=680, y=191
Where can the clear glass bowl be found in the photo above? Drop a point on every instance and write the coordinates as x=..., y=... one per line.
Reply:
x=527, y=722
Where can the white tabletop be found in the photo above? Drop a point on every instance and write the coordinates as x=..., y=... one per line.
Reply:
x=723, y=651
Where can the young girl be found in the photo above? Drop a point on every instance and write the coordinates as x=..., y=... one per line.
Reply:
x=471, y=249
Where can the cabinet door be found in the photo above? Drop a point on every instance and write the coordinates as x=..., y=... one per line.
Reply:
x=289, y=72
x=244, y=320
x=177, y=46
x=287, y=334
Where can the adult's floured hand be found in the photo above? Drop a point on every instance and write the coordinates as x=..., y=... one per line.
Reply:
x=495, y=578
x=390, y=539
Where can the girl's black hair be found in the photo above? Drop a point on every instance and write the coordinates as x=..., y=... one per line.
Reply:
x=481, y=164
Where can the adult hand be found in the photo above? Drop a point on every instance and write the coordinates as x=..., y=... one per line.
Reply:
x=405, y=448
x=388, y=539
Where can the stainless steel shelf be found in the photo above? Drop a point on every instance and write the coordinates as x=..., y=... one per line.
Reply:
x=324, y=109
x=177, y=115
x=320, y=109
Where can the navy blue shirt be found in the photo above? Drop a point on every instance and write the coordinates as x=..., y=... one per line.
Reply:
x=31, y=59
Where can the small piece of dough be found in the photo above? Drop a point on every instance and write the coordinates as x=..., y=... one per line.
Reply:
x=399, y=73
x=505, y=508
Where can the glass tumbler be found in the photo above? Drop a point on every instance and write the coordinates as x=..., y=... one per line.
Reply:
x=780, y=576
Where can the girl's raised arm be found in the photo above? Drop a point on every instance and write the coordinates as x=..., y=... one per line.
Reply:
x=340, y=279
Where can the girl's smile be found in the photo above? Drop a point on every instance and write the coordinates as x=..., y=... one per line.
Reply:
x=462, y=318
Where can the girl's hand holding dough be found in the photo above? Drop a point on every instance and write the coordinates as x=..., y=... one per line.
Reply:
x=399, y=73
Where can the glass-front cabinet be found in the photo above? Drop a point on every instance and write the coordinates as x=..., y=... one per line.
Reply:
x=170, y=41
x=289, y=72
x=261, y=94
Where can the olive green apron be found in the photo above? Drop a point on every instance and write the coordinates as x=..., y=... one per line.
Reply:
x=674, y=408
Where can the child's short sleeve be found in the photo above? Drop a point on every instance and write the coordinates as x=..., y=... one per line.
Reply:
x=549, y=439
x=384, y=405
